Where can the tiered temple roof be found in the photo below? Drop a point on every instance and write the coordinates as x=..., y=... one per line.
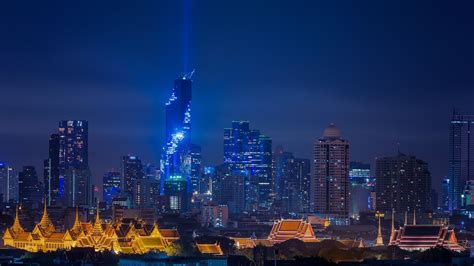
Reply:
x=423, y=237
x=283, y=230
x=210, y=249
x=132, y=237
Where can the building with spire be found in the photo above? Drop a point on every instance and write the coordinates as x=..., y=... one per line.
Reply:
x=128, y=237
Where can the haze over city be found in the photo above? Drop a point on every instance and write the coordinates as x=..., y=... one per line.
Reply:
x=384, y=73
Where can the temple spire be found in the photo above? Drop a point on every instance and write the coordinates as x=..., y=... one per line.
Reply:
x=414, y=217
x=392, y=231
x=16, y=224
x=406, y=218
x=379, y=241
x=77, y=221
x=45, y=218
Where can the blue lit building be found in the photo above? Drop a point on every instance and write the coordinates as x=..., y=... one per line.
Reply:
x=195, y=167
x=51, y=171
x=362, y=186
x=176, y=158
x=248, y=153
x=111, y=186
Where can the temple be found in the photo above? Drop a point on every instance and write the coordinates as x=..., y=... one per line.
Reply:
x=283, y=230
x=131, y=237
x=422, y=237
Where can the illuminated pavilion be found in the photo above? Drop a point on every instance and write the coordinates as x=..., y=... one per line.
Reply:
x=421, y=237
x=130, y=238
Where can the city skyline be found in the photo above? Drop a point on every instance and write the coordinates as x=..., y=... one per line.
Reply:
x=120, y=126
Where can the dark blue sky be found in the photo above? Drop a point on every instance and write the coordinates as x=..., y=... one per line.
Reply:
x=383, y=71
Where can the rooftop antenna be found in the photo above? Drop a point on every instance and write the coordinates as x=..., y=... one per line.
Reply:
x=188, y=75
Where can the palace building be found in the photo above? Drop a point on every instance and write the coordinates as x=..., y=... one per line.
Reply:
x=132, y=237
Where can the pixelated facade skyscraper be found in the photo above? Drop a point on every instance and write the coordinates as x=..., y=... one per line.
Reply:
x=176, y=160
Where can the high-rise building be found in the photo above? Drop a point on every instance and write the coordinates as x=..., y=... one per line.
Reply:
x=30, y=190
x=51, y=171
x=131, y=168
x=331, y=176
x=249, y=153
x=195, y=167
x=74, y=174
x=146, y=192
x=362, y=184
x=292, y=181
x=229, y=188
x=460, y=156
x=8, y=183
x=445, y=188
x=403, y=184
x=176, y=158
x=111, y=186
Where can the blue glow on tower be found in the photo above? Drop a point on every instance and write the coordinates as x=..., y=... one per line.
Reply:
x=176, y=161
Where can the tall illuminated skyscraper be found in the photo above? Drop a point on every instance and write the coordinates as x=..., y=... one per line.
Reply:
x=111, y=186
x=176, y=158
x=74, y=174
x=403, y=184
x=331, y=175
x=131, y=168
x=461, y=156
x=51, y=171
x=249, y=153
x=8, y=183
x=30, y=190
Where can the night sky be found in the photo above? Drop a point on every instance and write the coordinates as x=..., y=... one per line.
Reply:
x=384, y=73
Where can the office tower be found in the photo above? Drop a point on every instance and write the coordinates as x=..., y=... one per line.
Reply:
x=331, y=176
x=51, y=171
x=131, y=168
x=8, y=183
x=146, y=193
x=445, y=188
x=195, y=167
x=460, y=156
x=111, y=186
x=292, y=181
x=74, y=174
x=280, y=160
x=30, y=191
x=249, y=153
x=229, y=188
x=403, y=184
x=361, y=187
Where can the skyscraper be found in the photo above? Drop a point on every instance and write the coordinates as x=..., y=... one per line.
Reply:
x=111, y=186
x=249, y=153
x=362, y=184
x=131, y=168
x=292, y=181
x=51, y=171
x=176, y=158
x=74, y=174
x=461, y=156
x=8, y=183
x=331, y=175
x=403, y=184
x=30, y=190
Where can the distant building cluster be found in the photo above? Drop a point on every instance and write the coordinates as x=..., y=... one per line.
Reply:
x=255, y=181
